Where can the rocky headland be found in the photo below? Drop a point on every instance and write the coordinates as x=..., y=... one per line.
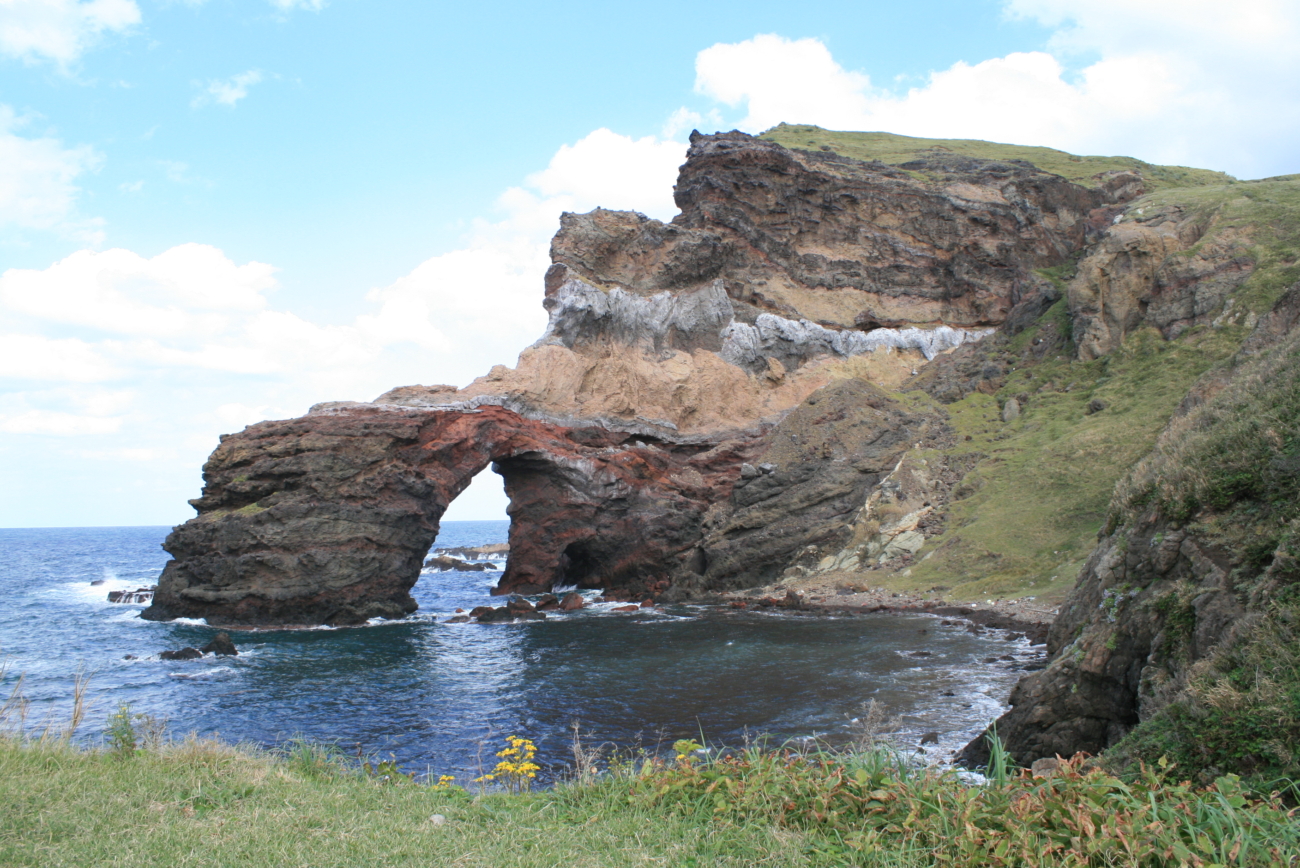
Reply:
x=912, y=369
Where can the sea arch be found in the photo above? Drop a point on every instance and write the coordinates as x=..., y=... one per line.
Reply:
x=326, y=519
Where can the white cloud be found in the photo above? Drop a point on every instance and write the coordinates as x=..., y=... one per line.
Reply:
x=1201, y=83
x=289, y=5
x=67, y=360
x=38, y=176
x=57, y=424
x=614, y=171
x=228, y=91
x=155, y=356
x=60, y=30
x=782, y=80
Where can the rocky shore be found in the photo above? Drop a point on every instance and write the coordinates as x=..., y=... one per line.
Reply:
x=844, y=593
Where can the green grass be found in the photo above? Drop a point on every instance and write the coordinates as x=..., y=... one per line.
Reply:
x=895, y=150
x=1031, y=508
x=201, y=803
x=205, y=804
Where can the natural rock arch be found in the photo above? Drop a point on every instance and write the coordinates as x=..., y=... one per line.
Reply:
x=327, y=518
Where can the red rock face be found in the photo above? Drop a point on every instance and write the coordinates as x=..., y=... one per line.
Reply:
x=327, y=518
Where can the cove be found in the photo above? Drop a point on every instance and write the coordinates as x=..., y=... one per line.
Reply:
x=429, y=692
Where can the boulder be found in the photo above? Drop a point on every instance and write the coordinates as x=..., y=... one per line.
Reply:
x=519, y=605
x=221, y=646
x=182, y=654
x=572, y=602
x=496, y=616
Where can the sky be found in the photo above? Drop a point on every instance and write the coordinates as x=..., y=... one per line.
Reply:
x=214, y=212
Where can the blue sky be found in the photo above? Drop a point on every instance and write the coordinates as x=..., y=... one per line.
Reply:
x=217, y=212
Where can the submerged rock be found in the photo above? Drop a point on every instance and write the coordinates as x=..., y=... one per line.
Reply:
x=139, y=595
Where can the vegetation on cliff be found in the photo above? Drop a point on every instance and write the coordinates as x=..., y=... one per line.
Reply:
x=1229, y=473
x=896, y=150
x=1025, y=518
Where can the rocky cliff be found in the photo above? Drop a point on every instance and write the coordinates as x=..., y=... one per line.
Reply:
x=920, y=366
x=683, y=424
x=1180, y=639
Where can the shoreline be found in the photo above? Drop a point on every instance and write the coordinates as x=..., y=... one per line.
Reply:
x=832, y=598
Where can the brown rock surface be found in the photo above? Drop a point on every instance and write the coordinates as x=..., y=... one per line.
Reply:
x=1145, y=273
x=698, y=415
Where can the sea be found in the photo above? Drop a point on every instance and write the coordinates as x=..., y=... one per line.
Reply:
x=439, y=698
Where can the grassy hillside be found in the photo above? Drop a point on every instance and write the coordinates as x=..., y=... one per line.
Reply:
x=896, y=150
x=1026, y=517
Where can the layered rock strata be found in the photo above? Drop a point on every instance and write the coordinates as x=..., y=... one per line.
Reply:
x=684, y=424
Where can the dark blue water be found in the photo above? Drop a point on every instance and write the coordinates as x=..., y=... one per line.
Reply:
x=430, y=692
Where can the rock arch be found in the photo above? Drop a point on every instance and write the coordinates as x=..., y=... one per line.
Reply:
x=326, y=519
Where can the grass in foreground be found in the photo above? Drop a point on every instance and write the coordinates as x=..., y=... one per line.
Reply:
x=202, y=803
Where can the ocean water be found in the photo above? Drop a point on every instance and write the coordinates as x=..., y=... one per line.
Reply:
x=440, y=697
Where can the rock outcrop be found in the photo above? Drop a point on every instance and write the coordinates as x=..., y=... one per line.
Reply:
x=327, y=518
x=1201, y=545
x=685, y=423
x=1150, y=271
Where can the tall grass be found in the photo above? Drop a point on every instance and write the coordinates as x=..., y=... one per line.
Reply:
x=199, y=802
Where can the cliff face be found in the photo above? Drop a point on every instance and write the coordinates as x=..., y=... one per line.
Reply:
x=843, y=243
x=716, y=401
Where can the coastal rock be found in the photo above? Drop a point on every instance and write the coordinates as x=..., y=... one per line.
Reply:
x=446, y=563
x=689, y=422
x=572, y=602
x=221, y=646
x=139, y=595
x=181, y=654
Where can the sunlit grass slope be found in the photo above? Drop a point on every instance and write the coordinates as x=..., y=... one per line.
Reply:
x=896, y=150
